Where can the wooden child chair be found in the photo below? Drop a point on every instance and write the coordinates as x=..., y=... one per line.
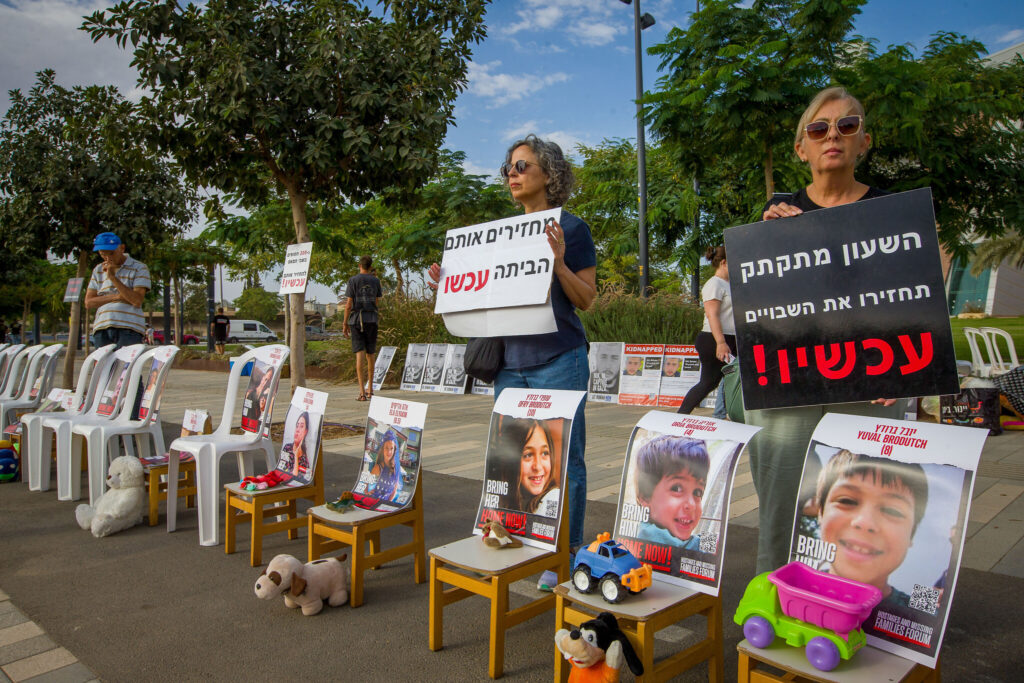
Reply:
x=358, y=526
x=156, y=467
x=640, y=618
x=471, y=567
x=279, y=502
x=780, y=662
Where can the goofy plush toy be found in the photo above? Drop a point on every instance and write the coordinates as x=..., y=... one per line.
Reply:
x=597, y=649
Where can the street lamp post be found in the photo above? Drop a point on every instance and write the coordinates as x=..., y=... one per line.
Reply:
x=640, y=22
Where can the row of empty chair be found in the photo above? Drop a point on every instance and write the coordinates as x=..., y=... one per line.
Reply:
x=106, y=413
x=987, y=346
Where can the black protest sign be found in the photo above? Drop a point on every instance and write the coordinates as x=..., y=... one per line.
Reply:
x=842, y=304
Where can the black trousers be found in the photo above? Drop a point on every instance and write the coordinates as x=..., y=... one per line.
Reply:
x=710, y=370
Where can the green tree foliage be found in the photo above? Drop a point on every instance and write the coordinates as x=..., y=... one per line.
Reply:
x=946, y=120
x=181, y=262
x=738, y=78
x=327, y=97
x=256, y=303
x=73, y=163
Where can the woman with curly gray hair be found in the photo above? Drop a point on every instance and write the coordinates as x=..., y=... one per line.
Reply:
x=539, y=177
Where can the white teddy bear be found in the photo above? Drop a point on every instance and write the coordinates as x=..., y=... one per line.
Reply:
x=120, y=507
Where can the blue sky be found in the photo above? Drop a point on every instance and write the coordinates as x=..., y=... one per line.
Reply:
x=560, y=68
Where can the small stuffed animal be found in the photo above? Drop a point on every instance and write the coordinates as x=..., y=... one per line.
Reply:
x=305, y=585
x=497, y=536
x=596, y=650
x=120, y=507
x=9, y=463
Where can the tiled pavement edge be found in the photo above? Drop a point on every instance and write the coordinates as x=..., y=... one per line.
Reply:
x=27, y=654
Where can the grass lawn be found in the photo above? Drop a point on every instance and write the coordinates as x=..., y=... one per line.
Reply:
x=1015, y=326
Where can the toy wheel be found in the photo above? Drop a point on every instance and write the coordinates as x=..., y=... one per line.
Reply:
x=581, y=579
x=612, y=589
x=822, y=653
x=758, y=631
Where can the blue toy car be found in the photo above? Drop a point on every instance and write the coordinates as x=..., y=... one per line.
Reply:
x=607, y=565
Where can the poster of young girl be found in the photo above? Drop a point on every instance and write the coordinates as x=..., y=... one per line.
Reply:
x=674, y=497
x=301, y=441
x=886, y=502
x=123, y=358
x=525, y=464
x=258, y=395
x=391, y=456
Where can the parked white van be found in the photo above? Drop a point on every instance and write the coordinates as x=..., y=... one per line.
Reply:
x=249, y=331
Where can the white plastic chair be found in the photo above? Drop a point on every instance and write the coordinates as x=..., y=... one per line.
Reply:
x=992, y=336
x=101, y=434
x=35, y=453
x=37, y=383
x=975, y=340
x=17, y=368
x=208, y=449
x=107, y=403
x=6, y=356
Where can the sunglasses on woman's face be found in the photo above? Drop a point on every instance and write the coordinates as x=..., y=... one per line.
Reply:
x=846, y=125
x=519, y=167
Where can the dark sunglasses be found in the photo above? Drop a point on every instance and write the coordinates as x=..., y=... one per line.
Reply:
x=846, y=125
x=519, y=166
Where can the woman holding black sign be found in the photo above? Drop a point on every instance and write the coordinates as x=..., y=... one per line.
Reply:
x=830, y=139
x=539, y=178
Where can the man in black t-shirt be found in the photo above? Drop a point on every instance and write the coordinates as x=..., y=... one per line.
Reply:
x=362, y=294
x=219, y=328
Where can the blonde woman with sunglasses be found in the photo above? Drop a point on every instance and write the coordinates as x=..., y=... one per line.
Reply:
x=830, y=139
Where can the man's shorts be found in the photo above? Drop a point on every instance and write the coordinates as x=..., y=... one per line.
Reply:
x=364, y=339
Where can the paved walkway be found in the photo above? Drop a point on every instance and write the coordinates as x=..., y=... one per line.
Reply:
x=454, y=441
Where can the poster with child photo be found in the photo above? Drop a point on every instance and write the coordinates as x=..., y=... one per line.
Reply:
x=886, y=502
x=524, y=469
x=391, y=455
x=674, y=495
x=301, y=442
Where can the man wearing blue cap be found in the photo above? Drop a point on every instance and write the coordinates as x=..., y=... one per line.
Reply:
x=116, y=289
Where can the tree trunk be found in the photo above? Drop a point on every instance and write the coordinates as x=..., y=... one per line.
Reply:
x=297, y=314
x=68, y=376
x=26, y=304
x=398, y=275
x=179, y=321
x=769, y=180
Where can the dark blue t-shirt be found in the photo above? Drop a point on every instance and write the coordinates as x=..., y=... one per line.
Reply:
x=528, y=351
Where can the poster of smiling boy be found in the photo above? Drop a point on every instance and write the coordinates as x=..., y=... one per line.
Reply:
x=391, y=456
x=524, y=469
x=885, y=502
x=674, y=495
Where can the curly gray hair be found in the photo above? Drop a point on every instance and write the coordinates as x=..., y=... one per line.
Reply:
x=553, y=162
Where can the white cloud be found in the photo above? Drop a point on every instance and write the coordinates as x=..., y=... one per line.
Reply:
x=473, y=168
x=566, y=140
x=595, y=32
x=520, y=131
x=485, y=81
x=43, y=34
x=1014, y=36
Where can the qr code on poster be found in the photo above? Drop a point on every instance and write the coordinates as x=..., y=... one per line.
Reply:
x=550, y=509
x=709, y=542
x=925, y=598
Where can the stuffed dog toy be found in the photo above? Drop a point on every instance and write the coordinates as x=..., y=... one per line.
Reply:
x=120, y=506
x=305, y=585
x=597, y=649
